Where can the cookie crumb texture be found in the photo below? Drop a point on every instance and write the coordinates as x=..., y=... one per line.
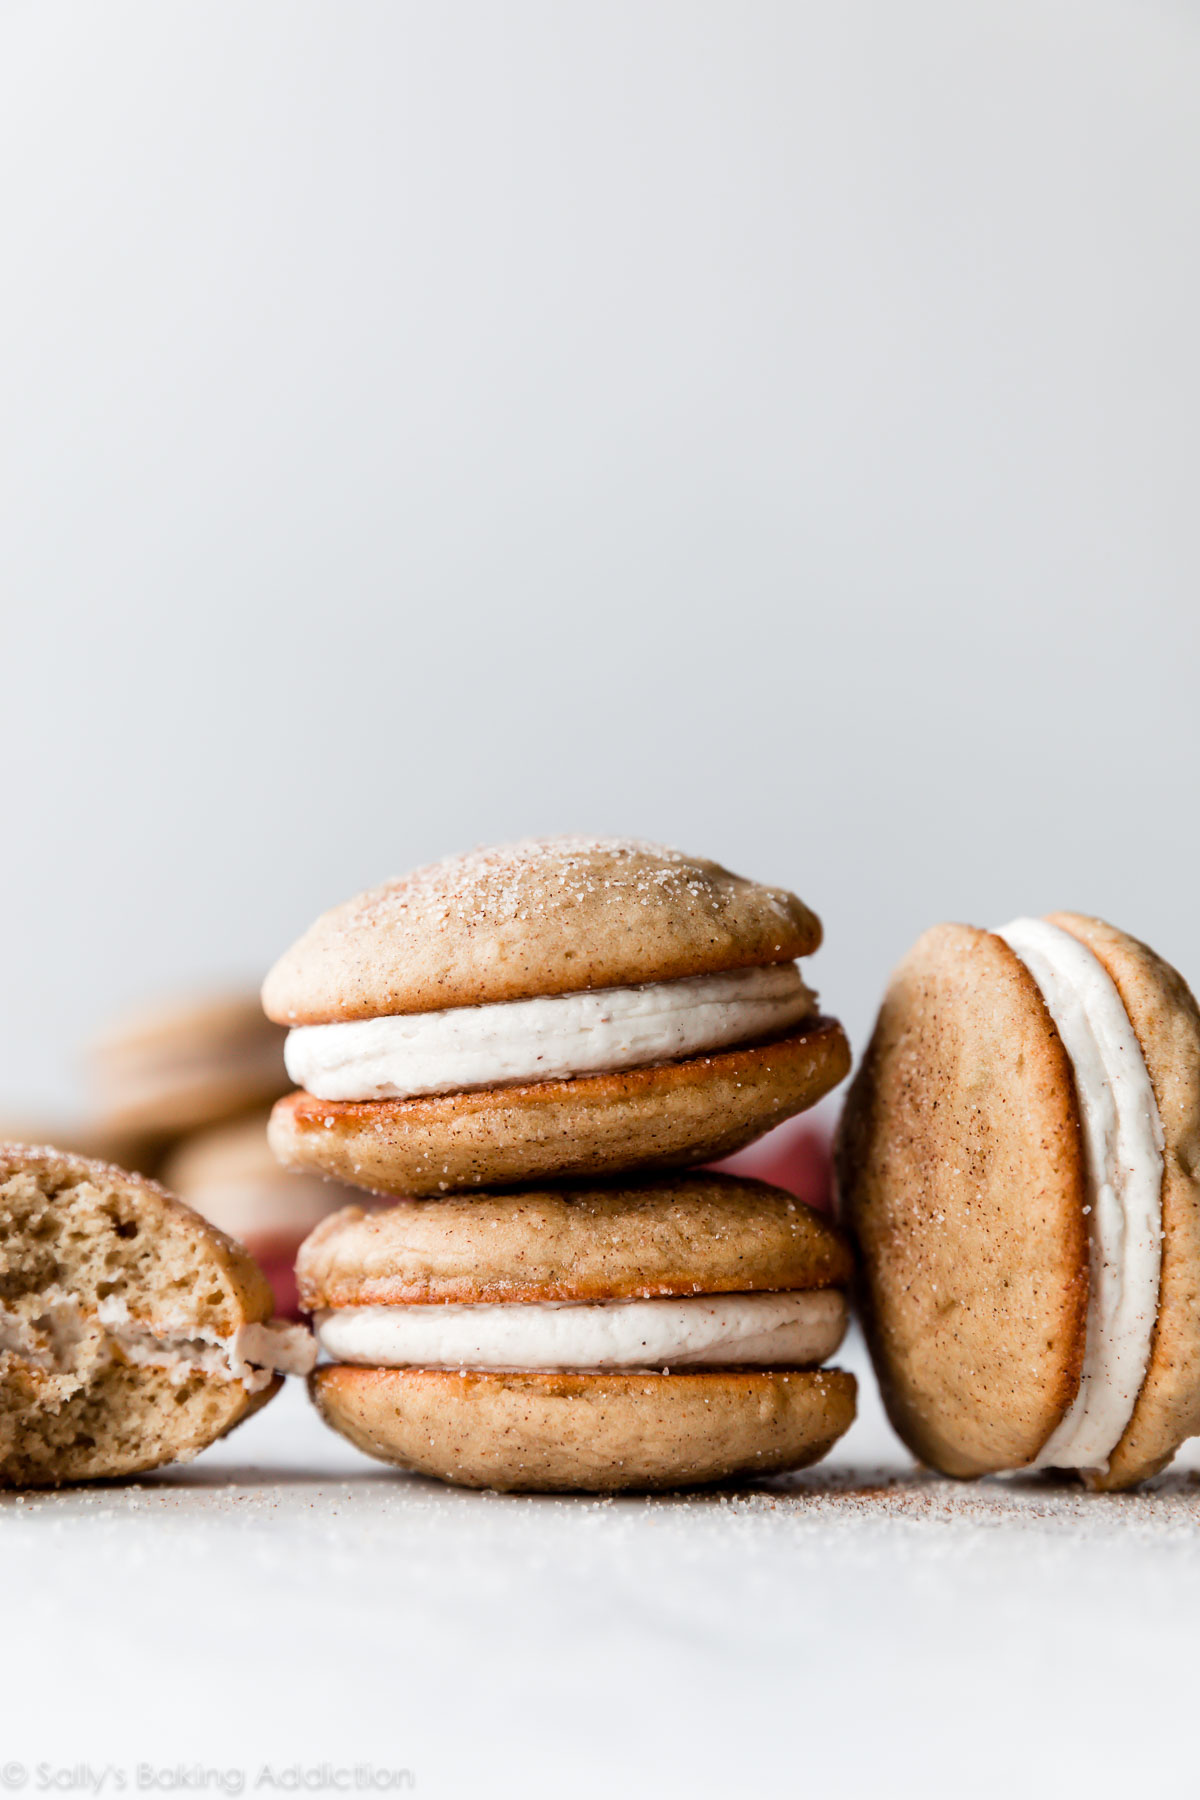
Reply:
x=539, y=1432
x=81, y=1243
x=667, y=1115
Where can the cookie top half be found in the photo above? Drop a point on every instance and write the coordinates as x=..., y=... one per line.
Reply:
x=682, y=1234
x=960, y=1168
x=539, y=917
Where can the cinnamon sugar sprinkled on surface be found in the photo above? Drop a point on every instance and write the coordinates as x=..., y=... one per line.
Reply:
x=831, y=1504
x=829, y=1495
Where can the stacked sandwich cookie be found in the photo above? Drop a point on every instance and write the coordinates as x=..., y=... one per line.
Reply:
x=546, y=1010
x=644, y=1336
x=565, y=1020
x=1019, y=1160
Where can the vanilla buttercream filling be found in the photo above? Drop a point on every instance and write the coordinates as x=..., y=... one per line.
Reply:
x=67, y=1340
x=253, y=1354
x=690, y=1331
x=1123, y=1154
x=549, y=1038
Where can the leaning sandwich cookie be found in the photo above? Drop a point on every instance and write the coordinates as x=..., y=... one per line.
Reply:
x=545, y=1010
x=1019, y=1159
x=132, y=1333
x=658, y=1334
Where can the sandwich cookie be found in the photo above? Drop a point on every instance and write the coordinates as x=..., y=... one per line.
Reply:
x=650, y=1336
x=230, y=1177
x=1019, y=1159
x=184, y=1065
x=131, y=1332
x=548, y=1009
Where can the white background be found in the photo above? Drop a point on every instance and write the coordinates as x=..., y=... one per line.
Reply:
x=769, y=427
x=772, y=428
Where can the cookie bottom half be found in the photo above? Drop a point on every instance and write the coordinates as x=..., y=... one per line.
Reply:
x=539, y=1431
x=664, y=1116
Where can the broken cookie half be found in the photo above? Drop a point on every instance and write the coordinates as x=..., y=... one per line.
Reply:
x=132, y=1333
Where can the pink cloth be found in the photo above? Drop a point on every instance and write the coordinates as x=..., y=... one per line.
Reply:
x=795, y=1156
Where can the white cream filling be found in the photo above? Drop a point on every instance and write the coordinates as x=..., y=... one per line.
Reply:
x=64, y=1340
x=1123, y=1147
x=253, y=1354
x=695, y=1330
x=546, y=1039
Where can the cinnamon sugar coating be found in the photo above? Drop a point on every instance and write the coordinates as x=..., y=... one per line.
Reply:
x=681, y=1234
x=664, y=1116
x=544, y=916
x=600, y=1433
x=961, y=1175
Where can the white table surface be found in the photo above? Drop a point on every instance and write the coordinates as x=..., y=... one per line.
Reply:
x=284, y=1603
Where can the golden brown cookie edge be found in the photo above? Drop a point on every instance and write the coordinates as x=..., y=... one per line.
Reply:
x=1166, y=1020
x=669, y=1115
x=516, y=921
x=549, y=1432
x=677, y=1235
x=975, y=1376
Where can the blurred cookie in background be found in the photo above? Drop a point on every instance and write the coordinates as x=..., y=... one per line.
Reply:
x=180, y=1090
x=230, y=1177
x=185, y=1064
x=77, y=1137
